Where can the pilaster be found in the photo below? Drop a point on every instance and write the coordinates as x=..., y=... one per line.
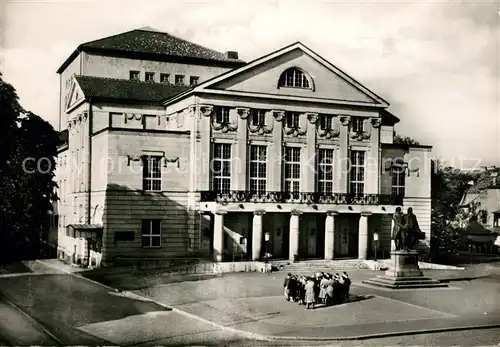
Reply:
x=373, y=171
x=343, y=155
x=276, y=152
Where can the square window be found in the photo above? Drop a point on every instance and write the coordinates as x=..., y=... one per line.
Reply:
x=134, y=75
x=179, y=79
x=151, y=233
x=150, y=76
x=165, y=78
x=193, y=80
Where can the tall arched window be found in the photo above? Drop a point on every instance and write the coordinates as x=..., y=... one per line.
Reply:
x=294, y=78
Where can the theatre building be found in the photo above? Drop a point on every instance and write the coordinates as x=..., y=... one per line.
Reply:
x=177, y=150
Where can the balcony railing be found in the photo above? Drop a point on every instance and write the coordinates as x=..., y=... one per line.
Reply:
x=300, y=198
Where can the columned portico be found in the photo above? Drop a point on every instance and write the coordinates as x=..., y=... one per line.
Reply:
x=218, y=235
x=363, y=235
x=294, y=234
x=329, y=234
x=257, y=234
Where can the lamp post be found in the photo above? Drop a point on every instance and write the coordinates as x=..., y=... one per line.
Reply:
x=375, y=240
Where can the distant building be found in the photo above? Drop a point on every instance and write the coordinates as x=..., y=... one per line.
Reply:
x=175, y=150
x=482, y=202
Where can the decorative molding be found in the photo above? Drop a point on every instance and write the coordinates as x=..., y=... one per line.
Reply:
x=312, y=117
x=332, y=213
x=132, y=116
x=360, y=135
x=243, y=112
x=171, y=160
x=259, y=212
x=279, y=115
x=223, y=127
x=191, y=110
x=365, y=213
x=402, y=165
x=296, y=212
x=220, y=212
x=345, y=120
x=85, y=115
x=206, y=110
x=376, y=122
x=131, y=158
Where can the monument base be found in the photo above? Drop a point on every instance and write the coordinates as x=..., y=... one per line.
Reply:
x=404, y=273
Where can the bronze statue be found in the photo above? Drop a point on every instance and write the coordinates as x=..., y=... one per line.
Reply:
x=412, y=230
x=397, y=230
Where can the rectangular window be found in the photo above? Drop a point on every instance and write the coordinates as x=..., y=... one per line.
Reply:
x=151, y=173
x=326, y=122
x=165, y=78
x=193, y=80
x=357, y=124
x=221, y=168
x=150, y=76
x=258, y=117
x=292, y=169
x=325, y=171
x=398, y=181
x=357, y=173
x=292, y=119
x=151, y=233
x=496, y=219
x=222, y=115
x=179, y=79
x=258, y=167
x=134, y=75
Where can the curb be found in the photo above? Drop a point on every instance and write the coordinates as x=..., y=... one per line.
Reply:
x=263, y=337
x=32, y=320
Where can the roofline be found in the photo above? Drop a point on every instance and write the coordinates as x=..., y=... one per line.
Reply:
x=282, y=50
x=404, y=146
x=149, y=56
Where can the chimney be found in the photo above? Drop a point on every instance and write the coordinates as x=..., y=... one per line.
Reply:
x=232, y=55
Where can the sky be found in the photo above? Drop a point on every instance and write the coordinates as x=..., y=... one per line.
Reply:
x=435, y=62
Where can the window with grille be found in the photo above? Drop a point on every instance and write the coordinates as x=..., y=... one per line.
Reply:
x=258, y=167
x=398, y=180
x=193, y=80
x=325, y=170
x=165, y=78
x=221, y=167
x=326, y=122
x=222, y=115
x=292, y=169
x=151, y=233
x=151, y=174
x=294, y=78
x=259, y=117
x=357, y=124
x=357, y=173
x=292, y=119
x=179, y=79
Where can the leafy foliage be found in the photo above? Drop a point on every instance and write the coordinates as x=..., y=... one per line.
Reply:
x=400, y=140
x=27, y=187
x=447, y=219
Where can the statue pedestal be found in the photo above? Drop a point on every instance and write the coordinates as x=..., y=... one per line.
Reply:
x=404, y=273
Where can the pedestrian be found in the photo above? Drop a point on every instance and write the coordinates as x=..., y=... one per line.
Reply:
x=285, y=286
x=347, y=283
x=329, y=290
x=309, y=291
x=322, y=290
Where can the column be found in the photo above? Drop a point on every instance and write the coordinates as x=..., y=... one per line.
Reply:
x=363, y=236
x=343, y=168
x=218, y=235
x=294, y=234
x=329, y=235
x=257, y=234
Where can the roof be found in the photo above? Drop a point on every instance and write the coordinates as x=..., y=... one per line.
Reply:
x=119, y=89
x=153, y=45
x=388, y=118
x=203, y=87
x=485, y=181
x=85, y=226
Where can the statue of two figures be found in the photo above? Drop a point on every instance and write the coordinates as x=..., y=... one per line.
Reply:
x=406, y=231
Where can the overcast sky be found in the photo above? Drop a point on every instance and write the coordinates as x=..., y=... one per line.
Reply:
x=436, y=63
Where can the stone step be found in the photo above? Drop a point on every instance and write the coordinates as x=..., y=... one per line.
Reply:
x=404, y=283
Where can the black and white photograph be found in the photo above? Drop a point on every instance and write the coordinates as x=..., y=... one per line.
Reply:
x=249, y=173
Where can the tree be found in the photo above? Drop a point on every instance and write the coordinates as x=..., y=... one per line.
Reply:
x=27, y=164
x=400, y=140
x=448, y=187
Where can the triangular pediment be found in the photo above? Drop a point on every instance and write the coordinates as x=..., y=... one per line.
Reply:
x=74, y=94
x=325, y=81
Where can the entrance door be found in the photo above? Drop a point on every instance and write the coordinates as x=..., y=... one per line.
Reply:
x=320, y=236
x=353, y=235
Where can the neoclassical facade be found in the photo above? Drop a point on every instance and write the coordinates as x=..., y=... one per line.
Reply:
x=286, y=156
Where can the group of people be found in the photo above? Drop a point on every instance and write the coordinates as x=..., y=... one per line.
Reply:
x=322, y=288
